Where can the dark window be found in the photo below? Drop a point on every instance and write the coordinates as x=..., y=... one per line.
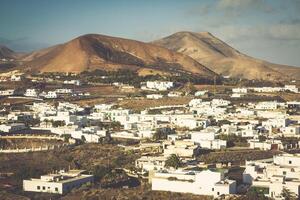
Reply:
x=290, y=162
x=38, y=187
x=218, y=193
x=56, y=189
x=44, y=188
x=212, y=189
x=284, y=172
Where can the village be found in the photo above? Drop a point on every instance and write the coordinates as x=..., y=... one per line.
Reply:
x=175, y=144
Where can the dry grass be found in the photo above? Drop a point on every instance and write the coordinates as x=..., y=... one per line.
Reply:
x=15, y=101
x=236, y=156
x=147, y=71
x=137, y=104
x=94, y=101
x=219, y=88
x=142, y=192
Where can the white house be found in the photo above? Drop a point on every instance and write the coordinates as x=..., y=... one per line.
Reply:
x=158, y=85
x=58, y=183
x=206, y=139
x=51, y=95
x=31, y=93
x=291, y=88
x=267, y=105
x=265, y=145
x=15, y=77
x=147, y=163
x=154, y=96
x=275, y=175
x=184, y=149
x=200, y=93
x=6, y=92
x=205, y=182
x=72, y=82
x=291, y=131
x=239, y=90
x=64, y=91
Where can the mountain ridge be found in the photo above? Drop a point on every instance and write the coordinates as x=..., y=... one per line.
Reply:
x=94, y=51
x=220, y=57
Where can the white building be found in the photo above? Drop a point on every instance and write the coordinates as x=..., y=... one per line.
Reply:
x=282, y=172
x=64, y=91
x=72, y=82
x=239, y=90
x=291, y=88
x=147, y=163
x=6, y=92
x=158, y=85
x=267, y=105
x=200, y=93
x=51, y=95
x=8, y=128
x=15, y=77
x=220, y=102
x=291, y=131
x=59, y=183
x=206, y=139
x=154, y=96
x=184, y=149
x=275, y=123
x=205, y=182
x=265, y=145
x=31, y=93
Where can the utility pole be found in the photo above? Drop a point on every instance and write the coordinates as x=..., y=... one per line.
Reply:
x=215, y=83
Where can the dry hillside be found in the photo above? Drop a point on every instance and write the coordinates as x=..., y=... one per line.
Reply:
x=223, y=59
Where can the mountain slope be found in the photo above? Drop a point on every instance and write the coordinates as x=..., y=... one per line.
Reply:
x=89, y=52
x=6, y=52
x=223, y=59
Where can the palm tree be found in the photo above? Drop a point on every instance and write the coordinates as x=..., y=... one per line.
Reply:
x=173, y=161
x=287, y=194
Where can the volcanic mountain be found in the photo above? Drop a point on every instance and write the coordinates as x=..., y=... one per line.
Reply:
x=6, y=52
x=92, y=51
x=223, y=59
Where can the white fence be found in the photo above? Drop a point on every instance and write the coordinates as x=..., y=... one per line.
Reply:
x=30, y=149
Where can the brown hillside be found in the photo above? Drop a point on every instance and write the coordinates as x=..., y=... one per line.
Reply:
x=93, y=51
x=223, y=59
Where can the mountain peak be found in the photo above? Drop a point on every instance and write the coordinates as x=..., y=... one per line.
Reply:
x=220, y=57
x=94, y=51
x=5, y=52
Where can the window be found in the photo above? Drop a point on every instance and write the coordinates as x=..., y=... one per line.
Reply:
x=38, y=187
x=218, y=193
x=48, y=188
x=290, y=162
x=44, y=188
x=284, y=172
x=212, y=189
x=56, y=189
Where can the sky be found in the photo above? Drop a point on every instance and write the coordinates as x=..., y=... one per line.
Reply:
x=266, y=29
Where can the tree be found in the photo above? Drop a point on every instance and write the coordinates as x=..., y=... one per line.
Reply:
x=173, y=161
x=162, y=133
x=58, y=123
x=115, y=126
x=287, y=194
x=66, y=137
x=255, y=193
x=262, y=138
x=83, y=139
x=99, y=171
